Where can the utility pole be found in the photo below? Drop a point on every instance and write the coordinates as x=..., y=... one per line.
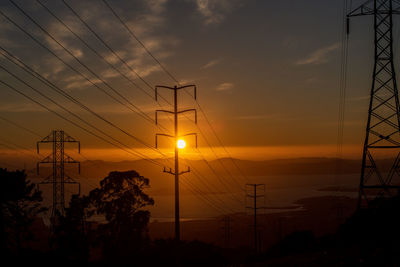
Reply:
x=58, y=158
x=177, y=138
x=253, y=191
x=382, y=139
x=226, y=220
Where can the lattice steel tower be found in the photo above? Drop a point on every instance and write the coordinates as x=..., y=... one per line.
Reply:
x=380, y=176
x=58, y=158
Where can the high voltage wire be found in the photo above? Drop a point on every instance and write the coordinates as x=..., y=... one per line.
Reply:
x=52, y=86
x=92, y=49
x=60, y=89
x=175, y=80
x=96, y=52
x=26, y=149
x=200, y=177
x=105, y=44
x=137, y=39
x=60, y=106
x=203, y=181
x=58, y=43
x=138, y=111
x=99, y=38
x=19, y=126
x=72, y=122
x=115, y=54
x=190, y=185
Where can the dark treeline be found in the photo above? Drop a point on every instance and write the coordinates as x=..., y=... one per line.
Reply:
x=109, y=227
x=106, y=227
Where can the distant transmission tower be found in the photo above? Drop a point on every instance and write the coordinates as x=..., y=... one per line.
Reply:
x=227, y=220
x=382, y=138
x=253, y=192
x=176, y=138
x=58, y=178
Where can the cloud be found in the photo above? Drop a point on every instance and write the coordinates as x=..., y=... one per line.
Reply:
x=210, y=64
x=215, y=11
x=319, y=56
x=225, y=86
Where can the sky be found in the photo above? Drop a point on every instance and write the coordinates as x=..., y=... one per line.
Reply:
x=267, y=75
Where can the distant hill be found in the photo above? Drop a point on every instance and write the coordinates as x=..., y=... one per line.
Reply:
x=291, y=172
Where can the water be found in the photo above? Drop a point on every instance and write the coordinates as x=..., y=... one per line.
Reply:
x=280, y=191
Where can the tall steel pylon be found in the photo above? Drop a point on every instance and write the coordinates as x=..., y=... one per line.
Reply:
x=58, y=158
x=382, y=139
x=176, y=137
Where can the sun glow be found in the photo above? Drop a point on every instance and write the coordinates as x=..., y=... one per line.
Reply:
x=181, y=144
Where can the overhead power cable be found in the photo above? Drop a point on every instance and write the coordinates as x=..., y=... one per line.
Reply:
x=137, y=111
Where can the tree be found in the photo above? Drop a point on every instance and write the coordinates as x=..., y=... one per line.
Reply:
x=20, y=204
x=71, y=237
x=120, y=199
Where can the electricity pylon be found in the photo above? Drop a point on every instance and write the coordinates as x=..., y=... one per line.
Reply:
x=176, y=137
x=226, y=220
x=255, y=194
x=58, y=158
x=382, y=139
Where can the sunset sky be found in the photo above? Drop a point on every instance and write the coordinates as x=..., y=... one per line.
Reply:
x=267, y=73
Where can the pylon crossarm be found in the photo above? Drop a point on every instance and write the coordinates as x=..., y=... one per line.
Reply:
x=161, y=134
x=169, y=171
x=189, y=134
x=161, y=110
x=190, y=85
x=48, y=180
x=68, y=159
x=48, y=159
x=69, y=180
x=183, y=172
x=363, y=10
x=367, y=9
x=188, y=110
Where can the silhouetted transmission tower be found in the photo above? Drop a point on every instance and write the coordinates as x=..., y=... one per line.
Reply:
x=382, y=141
x=58, y=158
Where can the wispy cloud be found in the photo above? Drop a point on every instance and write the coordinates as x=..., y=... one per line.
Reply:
x=319, y=56
x=210, y=64
x=225, y=86
x=215, y=11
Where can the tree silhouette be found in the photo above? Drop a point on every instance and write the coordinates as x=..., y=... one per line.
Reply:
x=120, y=200
x=71, y=237
x=20, y=205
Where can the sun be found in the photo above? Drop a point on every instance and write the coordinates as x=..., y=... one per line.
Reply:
x=181, y=144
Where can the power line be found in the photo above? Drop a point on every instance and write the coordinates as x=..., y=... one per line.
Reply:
x=130, y=151
x=42, y=45
x=92, y=49
x=175, y=80
x=124, y=62
x=105, y=44
x=19, y=126
x=138, y=40
x=137, y=111
x=63, y=93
